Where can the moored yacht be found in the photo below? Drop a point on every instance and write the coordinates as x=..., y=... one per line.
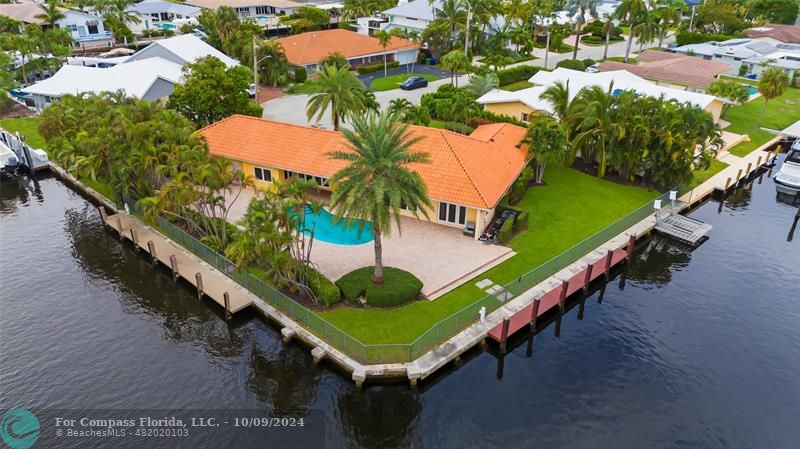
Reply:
x=788, y=178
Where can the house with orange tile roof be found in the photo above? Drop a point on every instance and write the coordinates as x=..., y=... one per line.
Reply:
x=307, y=49
x=466, y=178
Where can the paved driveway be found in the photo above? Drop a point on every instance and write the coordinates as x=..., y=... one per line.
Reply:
x=420, y=69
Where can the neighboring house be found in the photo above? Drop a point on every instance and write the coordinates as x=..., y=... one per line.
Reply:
x=746, y=57
x=183, y=49
x=251, y=8
x=466, y=177
x=775, y=33
x=525, y=103
x=672, y=70
x=307, y=49
x=149, y=79
x=413, y=16
x=149, y=74
x=158, y=14
x=82, y=26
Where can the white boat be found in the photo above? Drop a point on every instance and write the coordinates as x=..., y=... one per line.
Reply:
x=787, y=180
x=8, y=161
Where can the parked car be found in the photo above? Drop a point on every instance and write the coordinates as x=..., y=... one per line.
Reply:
x=198, y=32
x=414, y=82
x=251, y=90
x=594, y=68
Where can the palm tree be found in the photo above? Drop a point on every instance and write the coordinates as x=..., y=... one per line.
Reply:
x=117, y=10
x=669, y=14
x=273, y=66
x=578, y=9
x=384, y=40
x=51, y=13
x=595, y=125
x=338, y=89
x=771, y=85
x=455, y=61
x=732, y=91
x=546, y=142
x=631, y=11
x=647, y=30
x=479, y=85
x=453, y=13
x=378, y=178
x=558, y=95
x=608, y=29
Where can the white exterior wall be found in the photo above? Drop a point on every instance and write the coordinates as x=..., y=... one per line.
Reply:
x=406, y=56
x=407, y=23
x=75, y=23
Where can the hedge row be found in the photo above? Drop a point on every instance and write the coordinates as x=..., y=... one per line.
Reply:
x=326, y=291
x=458, y=128
x=518, y=73
x=376, y=67
x=398, y=287
x=688, y=37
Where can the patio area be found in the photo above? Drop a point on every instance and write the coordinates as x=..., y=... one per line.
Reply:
x=440, y=256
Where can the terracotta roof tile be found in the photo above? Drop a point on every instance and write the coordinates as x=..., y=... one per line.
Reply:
x=471, y=170
x=308, y=48
x=789, y=34
x=684, y=70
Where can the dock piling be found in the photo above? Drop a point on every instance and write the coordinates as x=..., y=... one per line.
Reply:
x=534, y=313
x=119, y=227
x=103, y=215
x=727, y=183
x=135, y=239
x=227, y=298
x=152, y=248
x=199, y=279
x=504, y=335
x=587, y=279
x=631, y=246
x=173, y=262
x=607, y=274
x=562, y=298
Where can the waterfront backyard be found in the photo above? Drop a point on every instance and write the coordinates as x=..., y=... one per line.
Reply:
x=781, y=112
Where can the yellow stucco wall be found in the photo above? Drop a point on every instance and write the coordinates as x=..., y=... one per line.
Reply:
x=715, y=108
x=512, y=109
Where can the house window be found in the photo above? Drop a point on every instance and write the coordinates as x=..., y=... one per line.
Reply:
x=73, y=27
x=263, y=10
x=262, y=174
x=524, y=117
x=92, y=27
x=451, y=213
x=243, y=12
x=321, y=181
x=287, y=174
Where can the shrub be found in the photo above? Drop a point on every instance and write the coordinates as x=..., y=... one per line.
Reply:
x=491, y=117
x=398, y=286
x=521, y=221
x=376, y=67
x=519, y=187
x=687, y=37
x=589, y=62
x=300, y=75
x=573, y=64
x=590, y=39
x=421, y=58
x=458, y=128
x=327, y=292
x=514, y=74
x=742, y=70
x=506, y=231
x=335, y=58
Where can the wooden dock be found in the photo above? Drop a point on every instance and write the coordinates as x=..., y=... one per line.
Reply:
x=212, y=283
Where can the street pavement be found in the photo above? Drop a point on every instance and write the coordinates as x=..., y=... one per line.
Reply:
x=292, y=108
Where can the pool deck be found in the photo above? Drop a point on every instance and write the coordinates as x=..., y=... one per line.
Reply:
x=440, y=256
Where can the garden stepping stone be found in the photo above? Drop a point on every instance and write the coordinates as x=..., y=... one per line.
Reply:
x=484, y=283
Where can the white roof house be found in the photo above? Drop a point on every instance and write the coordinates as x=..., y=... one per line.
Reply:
x=619, y=80
x=162, y=8
x=751, y=53
x=148, y=79
x=183, y=49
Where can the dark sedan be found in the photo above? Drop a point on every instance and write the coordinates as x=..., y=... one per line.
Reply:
x=414, y=82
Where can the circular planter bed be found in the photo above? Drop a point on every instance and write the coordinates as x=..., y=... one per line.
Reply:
x=399, y=287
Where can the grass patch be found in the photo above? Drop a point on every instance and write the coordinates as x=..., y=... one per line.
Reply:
x=631, y=60
x=439, y=124
x=27, y=127
x=519, y=85
x=781, y=112
x=571, y=207
x=399, y=286
x=393, y=81
x=701, y=176
x=747, y=81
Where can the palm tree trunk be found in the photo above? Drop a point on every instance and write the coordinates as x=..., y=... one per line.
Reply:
x=335, y=116
x=761, y=116
x=661, y=37
x=385, y=70
x=378, y=275
x=577, y=40
x=601, y=169
x=628, y=46
x=605, y=50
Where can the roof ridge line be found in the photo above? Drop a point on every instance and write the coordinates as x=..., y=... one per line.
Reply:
x=463, y=168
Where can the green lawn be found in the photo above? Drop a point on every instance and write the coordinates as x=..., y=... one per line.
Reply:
x=571, y=207
x=701, y=176
x=781, y=112
x=28, y=127
x=753, y=83
x=519, y=85
x=393, y=81
x=437, y=124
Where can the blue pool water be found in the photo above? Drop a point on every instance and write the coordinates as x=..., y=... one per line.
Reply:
x=751, y=90
x=327, y=229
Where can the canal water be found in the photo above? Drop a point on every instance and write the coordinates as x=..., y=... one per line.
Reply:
x=700, y=349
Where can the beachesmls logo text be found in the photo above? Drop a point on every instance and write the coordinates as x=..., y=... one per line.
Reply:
x=20, y=428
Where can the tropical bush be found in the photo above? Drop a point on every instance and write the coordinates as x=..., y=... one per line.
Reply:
x=326, y=291
x=520, y=185
x=514, y=74
x=573, y=64
x=458, y=128
x=370, y=68
x=300, y=75
x=686, y=37
x=398, y=287
x=521, y=221
x=335, y=58
x=451, y=104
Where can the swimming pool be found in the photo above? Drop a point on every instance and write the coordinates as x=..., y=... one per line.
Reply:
x=751, y=90
x=327, y=229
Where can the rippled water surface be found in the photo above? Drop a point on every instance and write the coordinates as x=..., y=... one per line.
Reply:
x=700, y=349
